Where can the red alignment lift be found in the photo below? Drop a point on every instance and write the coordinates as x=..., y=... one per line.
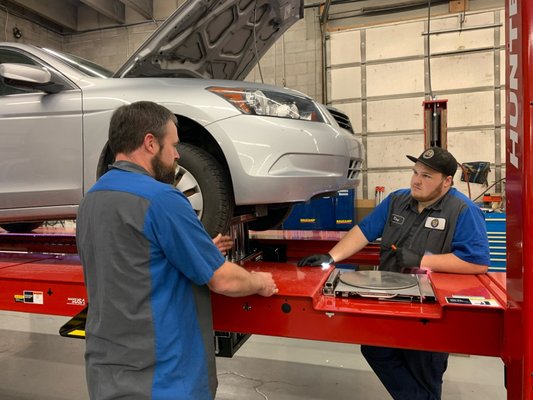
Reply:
x=53, y=284
x=45, y=283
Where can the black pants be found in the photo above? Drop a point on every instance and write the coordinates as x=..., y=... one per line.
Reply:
x=408, y=374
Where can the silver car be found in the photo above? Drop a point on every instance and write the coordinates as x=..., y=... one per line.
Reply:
x=245, y=147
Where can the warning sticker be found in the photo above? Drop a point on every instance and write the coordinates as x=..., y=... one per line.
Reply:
x=473, y=301
x=33, y=297
x=30, y=296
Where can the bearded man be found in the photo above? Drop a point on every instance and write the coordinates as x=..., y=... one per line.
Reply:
x=148, y=266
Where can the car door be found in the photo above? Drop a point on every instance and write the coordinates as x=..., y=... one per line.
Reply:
x=40, y=142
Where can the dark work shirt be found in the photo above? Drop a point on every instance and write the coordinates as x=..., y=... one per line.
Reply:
x=454, y=224
x=147, y=260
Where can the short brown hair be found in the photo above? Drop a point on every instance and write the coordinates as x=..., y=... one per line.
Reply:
x=130, y=123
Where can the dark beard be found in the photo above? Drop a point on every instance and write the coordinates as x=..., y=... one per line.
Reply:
x=433, y=196
x=162, y=172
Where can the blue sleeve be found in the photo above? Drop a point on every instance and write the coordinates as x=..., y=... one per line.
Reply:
x=182, y=237
x=470, y=242
x=373, y=224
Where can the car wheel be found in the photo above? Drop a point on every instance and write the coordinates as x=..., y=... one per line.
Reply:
x=273, y=219
x=21, y=227
x=207, y=186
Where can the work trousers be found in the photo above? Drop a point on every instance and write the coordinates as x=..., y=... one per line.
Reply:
x=408, y=374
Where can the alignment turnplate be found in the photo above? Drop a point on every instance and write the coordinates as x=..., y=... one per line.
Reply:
x=378, y=279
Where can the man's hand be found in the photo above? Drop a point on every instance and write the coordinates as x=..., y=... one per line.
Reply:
x=407, y=258
x=223, y=242
x=316, y=260
x=268, y=286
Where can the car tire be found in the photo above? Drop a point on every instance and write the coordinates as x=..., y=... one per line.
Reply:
x=273, y=219
x=199, y=173
x=21, y=227
x=207, y=186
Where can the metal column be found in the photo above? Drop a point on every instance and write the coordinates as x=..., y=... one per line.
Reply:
x=517, y=350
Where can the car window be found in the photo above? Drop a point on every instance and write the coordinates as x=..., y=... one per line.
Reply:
x=8, y=56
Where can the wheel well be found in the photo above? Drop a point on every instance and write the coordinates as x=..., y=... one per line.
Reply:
x=191, y=132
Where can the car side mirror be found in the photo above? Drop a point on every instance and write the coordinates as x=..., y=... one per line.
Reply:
x=29, y=77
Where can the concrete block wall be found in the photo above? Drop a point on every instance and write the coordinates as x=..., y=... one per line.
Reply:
x=110, y=47
x=31, y=33
x=295, y=60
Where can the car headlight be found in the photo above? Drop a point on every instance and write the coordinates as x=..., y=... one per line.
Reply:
x=269, y=103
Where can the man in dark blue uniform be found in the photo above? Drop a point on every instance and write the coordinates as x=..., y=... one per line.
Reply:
x=429, y=227
x=148, y=265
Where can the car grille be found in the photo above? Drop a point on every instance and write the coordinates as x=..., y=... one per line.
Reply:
x=341, y=118
x=354, y=169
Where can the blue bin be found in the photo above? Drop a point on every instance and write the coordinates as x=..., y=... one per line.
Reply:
x=345, y=209
x=318, y=214
x=326, y=213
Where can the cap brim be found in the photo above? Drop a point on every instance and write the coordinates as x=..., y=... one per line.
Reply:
x=413, y=159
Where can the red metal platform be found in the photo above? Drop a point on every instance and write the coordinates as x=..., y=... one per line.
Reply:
x=41, y=283
x=300, y=310
x=53, y=284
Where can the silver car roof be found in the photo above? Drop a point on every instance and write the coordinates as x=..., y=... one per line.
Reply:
x=213, y=39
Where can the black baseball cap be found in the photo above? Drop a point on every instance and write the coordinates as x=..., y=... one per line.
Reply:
x=438, y=159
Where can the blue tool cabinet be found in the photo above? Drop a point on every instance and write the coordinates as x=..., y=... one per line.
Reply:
x=496, y=231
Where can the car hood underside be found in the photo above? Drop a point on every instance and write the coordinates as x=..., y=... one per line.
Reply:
x=213, y=39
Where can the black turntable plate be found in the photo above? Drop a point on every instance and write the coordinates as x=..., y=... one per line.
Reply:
x=378, y=279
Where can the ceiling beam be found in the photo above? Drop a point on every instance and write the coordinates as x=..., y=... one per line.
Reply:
x=62, y=13
x=112, y=9
x=143, y=7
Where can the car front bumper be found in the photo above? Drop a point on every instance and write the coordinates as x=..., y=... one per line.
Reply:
x=278, y=160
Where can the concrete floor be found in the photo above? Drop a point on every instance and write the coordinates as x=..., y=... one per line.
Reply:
x=36, y=363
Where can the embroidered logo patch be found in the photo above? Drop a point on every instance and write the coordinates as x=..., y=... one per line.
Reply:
x=397, y=219
x=428, y=154
x=435, y=223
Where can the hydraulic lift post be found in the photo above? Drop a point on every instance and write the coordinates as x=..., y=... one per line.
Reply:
x=518, y=329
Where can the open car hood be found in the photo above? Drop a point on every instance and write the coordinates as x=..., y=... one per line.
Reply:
x=213, y=39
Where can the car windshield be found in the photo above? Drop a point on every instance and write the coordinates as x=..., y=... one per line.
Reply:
x=82, y=65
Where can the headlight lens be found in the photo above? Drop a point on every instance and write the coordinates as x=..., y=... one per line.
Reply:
x=269, y=103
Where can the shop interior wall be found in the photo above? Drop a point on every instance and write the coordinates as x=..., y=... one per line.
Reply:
x=379, y=75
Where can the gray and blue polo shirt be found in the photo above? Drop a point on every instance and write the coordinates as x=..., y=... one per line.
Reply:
x=454, y=224
x=147, y=260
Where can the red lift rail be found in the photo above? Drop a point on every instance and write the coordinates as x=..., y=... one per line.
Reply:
x=61, y=243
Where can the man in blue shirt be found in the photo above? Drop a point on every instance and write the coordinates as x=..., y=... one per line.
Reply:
x=148, y=266
x=429, y=227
